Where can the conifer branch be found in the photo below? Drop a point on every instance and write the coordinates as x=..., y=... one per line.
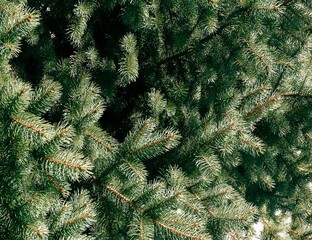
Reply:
x=295, y=232
x=18, y=23
x=205, y=128
x=80, y=208
x=202, y=41
x=260, y=106
x=202, y=202
x=309, y=136
x=17, y=153
x=252, y=144
x=33, y=197
x=36, y=230
x=181, y=222
x=60, y=189
x=59, y=214
x=303, y=169
x=97, y=108
x=12, y=47
x=207, y=162
x=269, y=186
x=188, y=204
x=230, y=233
x=78, y=219
x=4, y=9
x=65, y=164
x=167, y=200
x=212, y=214
x=260, y=89
x=188, y=10
x=295, y=37
x=267, y=65
x=299, y=17
x=216, y=195
x=154, y=188
x=127, y=200
x=99, y=141
x=296, y=95
x=141, y=229
x=190, y=50
x=289, y=64
x=28, y=126
x=168, y=138
x=176, y=231
x=140, y=132
x=134, y=169
x=60, y=134
x=295, y=109
x=275, y=8
x=230, y=126
x=231, y=219
x=306, y=208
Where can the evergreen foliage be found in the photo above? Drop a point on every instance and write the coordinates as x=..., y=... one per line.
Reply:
x=159, y=119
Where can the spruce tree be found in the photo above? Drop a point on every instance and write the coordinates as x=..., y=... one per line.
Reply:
x=159, y=119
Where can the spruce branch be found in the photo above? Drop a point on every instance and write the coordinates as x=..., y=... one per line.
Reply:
x=128, y=65
x=195, y=60
x=29, y=126
x=58, y=215
x=141, y=131
x=4, y=9
x=181, y=222
x=25, y=19
x=220, y=133
x=268, y=182
x=78, y=25
x=163, y=202
x=47, y=94
x=208, y=164
x=141, y=229
x=219, y=217
x=67, y=165
x=259, y=56
x=60, y=189
x=258, y=90
x=149, y=192
x=274, y=8
x=40, y=231
x=79, y=167
x=295, y=95
x=137, y=172
x=233, y=236
x=168, y=138
x=190, y=50
x=188, y=205
x=179, y=232
x=261, y=106
x=78, y=219
x=98, y=140
x=127, y=200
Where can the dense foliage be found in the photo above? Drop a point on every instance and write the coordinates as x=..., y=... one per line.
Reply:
x=206, y=130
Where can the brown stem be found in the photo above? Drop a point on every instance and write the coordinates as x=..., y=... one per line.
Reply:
x=168, y=138
x=99, y=141
x=28, y=126
x=65, y=163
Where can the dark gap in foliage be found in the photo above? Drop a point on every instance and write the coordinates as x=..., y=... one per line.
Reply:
x=28, y=64
x=113, y=119
x=108, y=31
x=54, y=18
